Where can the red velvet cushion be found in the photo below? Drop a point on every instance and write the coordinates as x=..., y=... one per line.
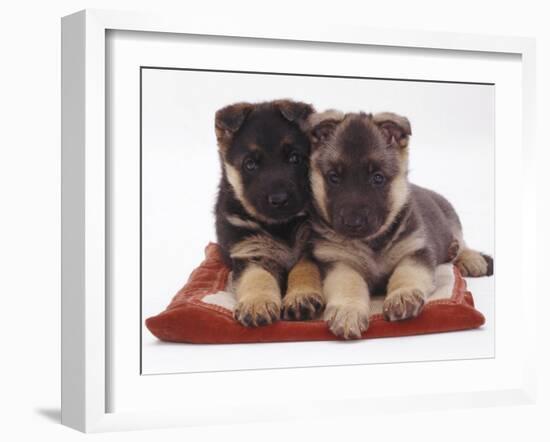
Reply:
x=189, y=319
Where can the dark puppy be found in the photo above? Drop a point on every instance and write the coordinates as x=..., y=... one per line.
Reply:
x=261, y=211
x=376, y=232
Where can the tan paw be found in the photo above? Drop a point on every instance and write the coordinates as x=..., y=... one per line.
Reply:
x=472, y=263
x=257, y=311
x=347, y=320
x=403, y=304
x=301, y=306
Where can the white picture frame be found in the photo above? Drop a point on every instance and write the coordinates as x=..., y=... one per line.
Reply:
x=85, y=213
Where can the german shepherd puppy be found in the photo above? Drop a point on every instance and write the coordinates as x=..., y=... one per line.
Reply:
x=374, y=231
x=262, y=210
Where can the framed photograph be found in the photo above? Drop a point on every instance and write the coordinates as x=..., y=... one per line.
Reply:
x=163, y=116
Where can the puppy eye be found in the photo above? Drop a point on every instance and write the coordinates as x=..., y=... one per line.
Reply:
x=377, y=179
x=333, y=177
x=250, y=164
x=294, y=158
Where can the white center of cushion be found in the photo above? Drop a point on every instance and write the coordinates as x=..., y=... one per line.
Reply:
x=221, y=299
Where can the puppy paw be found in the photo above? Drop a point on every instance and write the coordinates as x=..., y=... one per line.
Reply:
x=301, y=306
x=257, y=311
x=472, y=263
x=403, y=304
x=348, y=320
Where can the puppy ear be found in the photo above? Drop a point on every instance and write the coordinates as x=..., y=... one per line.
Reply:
x=322, y=132
x=321, y=126
x=229, y=120
x=294, y=111
x=395, y=128
x=232, y=117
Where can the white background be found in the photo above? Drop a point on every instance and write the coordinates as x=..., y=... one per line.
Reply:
x=453, y=138
x=29, y=178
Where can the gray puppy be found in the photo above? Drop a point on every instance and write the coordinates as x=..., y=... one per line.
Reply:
x=375, y=232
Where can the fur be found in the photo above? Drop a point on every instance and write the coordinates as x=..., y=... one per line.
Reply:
x=372, y=222
x=262, y=205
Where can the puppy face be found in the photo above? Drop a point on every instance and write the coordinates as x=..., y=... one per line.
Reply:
x=265, y=153
x=359, y=170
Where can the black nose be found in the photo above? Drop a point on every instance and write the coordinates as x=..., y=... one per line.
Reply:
x=278, y=199
x=354, y=221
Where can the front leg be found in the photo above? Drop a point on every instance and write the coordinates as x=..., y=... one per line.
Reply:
x=408, y=288
x=304, y=296
x=258, y=296
x=347, y=295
